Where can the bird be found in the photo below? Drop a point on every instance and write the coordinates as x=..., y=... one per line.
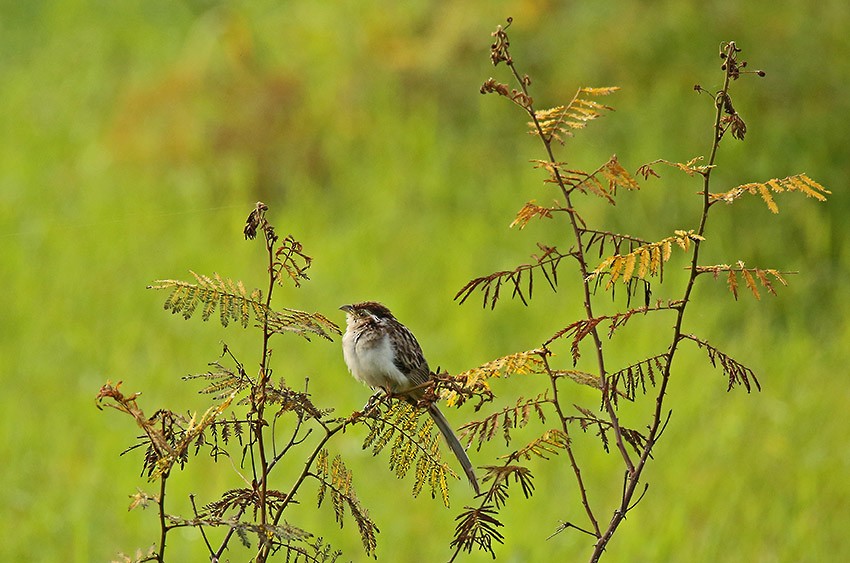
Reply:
x=383, y=353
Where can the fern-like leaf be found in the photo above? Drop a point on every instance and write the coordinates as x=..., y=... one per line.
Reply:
x=520, y=363
x=500, y=476
x=643, y=261
x=478, y=527
x=589, y=420
x=616, y=243
x=577, y=331
x=188, y=434
x=290, y=262
x=236, y=304
x=627, y=381
x=507, y=419
x=549, y=443
x=531, y=210
x=559, y=122
x=690, y=167
x=414, y=443
x=736, y=372
x=547, y=263
x=798, y=183
x=323, y=469
x=749, y=275
x=222, y=381
x=337, y=478
x=602, y=182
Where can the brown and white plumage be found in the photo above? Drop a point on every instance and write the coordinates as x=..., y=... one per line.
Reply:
x=383, y=353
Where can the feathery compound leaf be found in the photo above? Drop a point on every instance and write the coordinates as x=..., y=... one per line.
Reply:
x=690, y=167
x=323, y=472
x=291, y=262
x=589, y=420
x=491, y=285
x=750, y=275
x=235, y=303
x=547, y=444
x=337, y=480
x=477, y=527
x=414, y=443
x=183, y=434
x=222, y=381
x=583, y=327
x=626, y=382
x=738, y=373
x=578, y=330
x=520, y=363
x=507, y=419
x=602, y=182
x=559, y=122
x=580, y=377
x=643, y=261
x=799, y=183
x=528, y=212
x=498, y=493
x=302, y=323
x=618, y=177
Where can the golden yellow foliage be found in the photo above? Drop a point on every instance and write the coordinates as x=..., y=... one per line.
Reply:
x=519, y=363
x=690, y=167
x=797, y=183
x=590, y=182
x=558, y=122
x=750, y=275
x=645, y=260
x=528, y=212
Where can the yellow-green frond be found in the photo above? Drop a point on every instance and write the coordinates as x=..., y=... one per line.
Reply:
x=559, y=122
x=618, y=177
x=235, y=303
x=528, y=212
x=336, y=478
x=413, y=443
x=519, y=364
x=580, y=377
x=505, y=420
x=690, y=167
x=602, y=182
x=753, y=277
x=645, y=260
x=798, y=183
x=549, y=443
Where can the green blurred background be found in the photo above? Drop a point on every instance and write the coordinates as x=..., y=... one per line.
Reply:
x=137, y=136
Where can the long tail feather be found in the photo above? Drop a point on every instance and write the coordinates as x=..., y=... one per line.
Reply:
x=455, y=445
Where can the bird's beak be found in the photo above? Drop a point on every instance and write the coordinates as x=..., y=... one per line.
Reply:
x=346, y=308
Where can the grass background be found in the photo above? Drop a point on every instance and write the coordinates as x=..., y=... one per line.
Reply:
x=134, y=138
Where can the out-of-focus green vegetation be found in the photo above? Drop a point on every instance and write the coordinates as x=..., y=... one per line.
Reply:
x=134, y=138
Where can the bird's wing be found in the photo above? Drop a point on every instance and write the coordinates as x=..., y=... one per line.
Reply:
x=410, y=360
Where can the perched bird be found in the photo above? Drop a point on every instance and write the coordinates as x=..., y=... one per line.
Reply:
x=383, y=353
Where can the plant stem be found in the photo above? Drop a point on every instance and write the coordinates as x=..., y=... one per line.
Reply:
x=652, y=436
x=260, y=406
x=588, y=308
x=163, y=527
x=573, y=462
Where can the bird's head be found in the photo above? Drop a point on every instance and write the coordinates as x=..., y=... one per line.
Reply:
x=365, y=310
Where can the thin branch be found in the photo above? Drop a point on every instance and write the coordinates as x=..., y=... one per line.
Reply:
x=657, y=426
x=201, y=527
x=163, y=527
x=567, y=525
x=578, y=228
x=573, y=462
